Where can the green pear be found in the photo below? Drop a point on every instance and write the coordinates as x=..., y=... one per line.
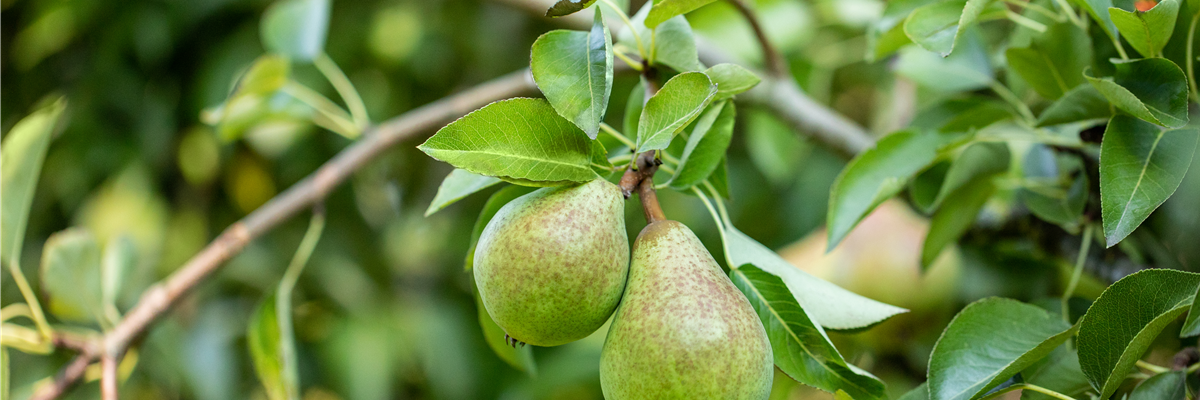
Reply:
x=551, y=265
x=683, y=331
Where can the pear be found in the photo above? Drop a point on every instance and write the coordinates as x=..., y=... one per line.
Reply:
x=683, y=330
x=551, y=265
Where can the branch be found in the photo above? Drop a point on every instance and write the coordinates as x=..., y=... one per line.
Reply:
x=776, y=67
x=108, y=377
x=159, y=299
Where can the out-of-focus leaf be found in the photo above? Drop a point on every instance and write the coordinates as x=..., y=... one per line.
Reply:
x=262, y=335
x=720, y=179
x=966, y=69
x=1148, y=32
x=1051, y=194
x=801, y=348
x=1054, y=62
x=662, y=10
x=1153, y=89
x=670, y=110
x=519, y=140
x=498, y=199
x=1141, y=165
x=1098, y=9
x=731, y=79
x=876, y=175
x=296, y=28
x=268, y=74
x=1059, y=372
x=458, y=185
x=921, y=392
x=575, y=71
x=1083, y=102
x=520, y=358
x=976, y=161
x=674, y=45
x=1165, y=386
x=987, y=343
x=1126, y=318
x=633, y=109
x=568, y=7
x=842, y=395
x=120, y=257
x=887, y=35
x=954, y=217
x=706, y=146
x=829, y=305
x=937, y=27
x=24, y=148
x=71, y=275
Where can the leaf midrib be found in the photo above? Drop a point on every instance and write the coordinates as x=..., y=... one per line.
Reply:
x=1122, y=221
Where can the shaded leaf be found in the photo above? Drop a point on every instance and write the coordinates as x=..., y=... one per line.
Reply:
x=954, y=217
x=1056, y=189
x=21, y=157
x=731, y=79
x=262, y=335
x=1083, y=102
x=633, y=108
x=1098, y=9
x=119, y=258
x=1053, y=64
x=921, y=392
x=937, y=27
x=1148, y=32
x=720, y=179
x=1165, y=386
x=268, y=73
x=296, y=28
x=706, y=146
x=493, y=205
x=459, y=184
x=842, y=395
x=674, y=45
x=987, y=343
x=874, y=176
x=575, y=71
x=519, y=140
x=1141, y=165
x=662, y=10
x=71, y=275
x=976, y=161
x=568, y=7
x=1191, y=326
x=1058, y=372
x=1153, y=89
x=679, y=102
x=1126, y=318
x=800, y=346
x=829, y=305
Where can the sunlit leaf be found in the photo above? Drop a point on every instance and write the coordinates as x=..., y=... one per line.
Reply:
x=937, y=27
x=459, y=184
x=575, y=71
x=1153, y=89
x=296, y=28
x=71, y=275
x=674, y=45
x=679, y=102
x=1141, y=165
x=21, y=157
x=120, y=257
x=262, y=335
x=662, y=10
x=1148, y=32
x=731, y=79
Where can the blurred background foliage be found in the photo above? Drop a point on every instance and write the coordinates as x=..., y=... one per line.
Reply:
x=384, y=309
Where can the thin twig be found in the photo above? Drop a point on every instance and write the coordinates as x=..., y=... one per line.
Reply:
x=159, y=299
x=776, y=67
x=108, y=377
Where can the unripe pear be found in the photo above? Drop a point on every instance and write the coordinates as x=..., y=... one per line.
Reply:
x=683, y=331
x=551, y=265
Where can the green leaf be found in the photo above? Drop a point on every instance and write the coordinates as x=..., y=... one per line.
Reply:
x=937, y=27
x=1191, y=326
x=575, y=71
x=800, y=346
x=667, y=9
x=268, y=73
x=828, y=304
x=5, y=378
x=520, y=358
x=874, y=176
x=842, y=395
x=887, y=35
x=731, y=79
x=1058, y=372
x=1141, y=165
x=953, y=219
x=1165, y=386
x=921, y=392
x=674, y=45
x=71, y=275
x=21, y=157
x=978, y=160
x=296, y=28
x=567, y=7
x=679, y=102
x=1098, y=9
x=1153, y=89
x=1052, y=194
x=1126, y=318
x=519, y=140
x=966, y=69
x=633, y=108
x=923, y=190
x=262, y=336
x=706, y=146
x=1054, y=62
x=1081, y=103
x=987, y=343
x=498, y=199
x=1148, y=32
x=720, y=179
x=120, y=257
x=600, y=161
x=459, y=184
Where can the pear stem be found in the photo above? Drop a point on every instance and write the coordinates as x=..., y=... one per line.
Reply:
x=649, y=198
x=640, y=178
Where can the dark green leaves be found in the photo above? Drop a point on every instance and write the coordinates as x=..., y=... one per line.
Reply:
x=1141, y=165
x=667, y=9
x=575, y=70
x=987, y=343
x=953, y=219
x=71, y=275
x=296, y=28
x=262, y=335
x=731, y=79
x=875, y=176
x=1165, y=386
x=1083, y=102
x=1153, y=89
x=1058, y=371
x=519, y=140
x=938, y=26
x=679, y=102
x=1147, y=31
x=800, y=346
x=1124, y=321
x=568, y=7
x=1055, y=188
x=459, y=184
x=706, y=146
x=21, y=157
x=1054, y=62
x=976, y=161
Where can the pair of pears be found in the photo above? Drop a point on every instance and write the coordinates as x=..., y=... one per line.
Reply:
x=553, y=265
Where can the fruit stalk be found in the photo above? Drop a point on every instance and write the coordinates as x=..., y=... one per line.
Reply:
x=640, y=178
